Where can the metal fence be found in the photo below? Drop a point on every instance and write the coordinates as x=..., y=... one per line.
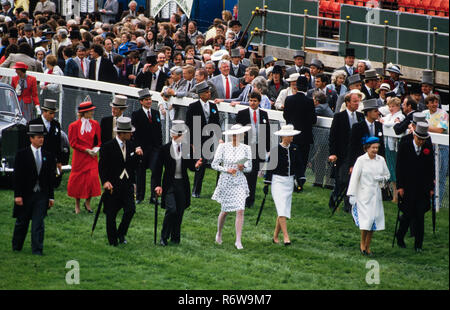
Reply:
x=75, y=90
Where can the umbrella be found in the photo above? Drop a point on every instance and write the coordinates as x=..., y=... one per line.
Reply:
x=396, y=224
x=97, y=214
x=339, y=199
x=266, y=190
x=156, y=220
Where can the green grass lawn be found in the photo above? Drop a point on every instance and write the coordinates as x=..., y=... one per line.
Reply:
x=324, y=252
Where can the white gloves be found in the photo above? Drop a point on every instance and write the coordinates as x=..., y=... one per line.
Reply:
x=38, y=110
x=379, y=178
x=352, y=200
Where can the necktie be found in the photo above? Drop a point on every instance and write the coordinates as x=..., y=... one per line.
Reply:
x=179, y=148
x=111, y=58
x=418, y=151
x=353, y=118
x=82, y=65
x=372, y=131
x=206, y=108
x=227, y=88
x=38, y=162
x=123, y=151
x=149, y=116
x=254, y=117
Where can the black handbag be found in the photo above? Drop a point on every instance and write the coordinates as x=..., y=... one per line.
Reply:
x=386, y=192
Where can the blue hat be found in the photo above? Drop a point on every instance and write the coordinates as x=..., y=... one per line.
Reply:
x=370, y=140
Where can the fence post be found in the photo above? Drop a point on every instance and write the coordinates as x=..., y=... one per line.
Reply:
x=264, y=23
x=386, y=27
x=436, y=187
x=433, y=60
x=347, y=28
x=247, y=27
x=305, y=19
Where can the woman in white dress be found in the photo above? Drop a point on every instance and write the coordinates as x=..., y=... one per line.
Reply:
x=282, y=179
x=232, y=159
x=368, y=177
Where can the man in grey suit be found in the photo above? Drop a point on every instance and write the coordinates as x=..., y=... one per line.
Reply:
x=299, y=63
x=82, y=62
x=224, y=83
x=250, y=74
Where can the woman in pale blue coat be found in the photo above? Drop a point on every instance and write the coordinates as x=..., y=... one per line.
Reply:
x=337, y=82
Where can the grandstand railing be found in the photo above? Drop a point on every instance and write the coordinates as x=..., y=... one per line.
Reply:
x=262, y=32
x=74, y=90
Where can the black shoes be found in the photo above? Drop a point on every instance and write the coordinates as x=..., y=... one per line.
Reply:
x=195, y=195
x=123, y=240
x=287, y=243
x=401, y=243
x=39, y=253
x=418, y=250
x=163, y=242
x=153, y=200
x=88, y=210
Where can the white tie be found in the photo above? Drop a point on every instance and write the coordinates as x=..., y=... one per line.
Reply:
x=38, y=162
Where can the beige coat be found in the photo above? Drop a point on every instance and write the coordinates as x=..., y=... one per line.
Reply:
x=33, y=64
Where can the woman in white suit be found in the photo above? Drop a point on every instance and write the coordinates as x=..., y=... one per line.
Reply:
x=369, y=175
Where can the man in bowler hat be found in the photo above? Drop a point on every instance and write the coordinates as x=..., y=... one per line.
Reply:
x=108, y=123
x=33, y=181
x=117, y=165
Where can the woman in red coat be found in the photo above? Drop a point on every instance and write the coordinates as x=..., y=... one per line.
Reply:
x=84, y=136
x=26, y=89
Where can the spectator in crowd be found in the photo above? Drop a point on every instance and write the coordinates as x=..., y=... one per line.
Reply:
x=193, y=32
x=100, y=67
x=132, y=6
x=348, y=68
x=315, y=68
x=362, y=66
x=382, y=92
x=370, y=81
x=369, y=174
x=109, y=11
x=108, y=123
x=134, y=67
x=354, y=83
x=51, y=89
x=409, y=108
x=427, y=88
x=276, y=84
x=299, y=62
x=27, y=92
x=224, y=83
x=82, y=62
x=24, y=54
x=398, y=86
x=284, y=93
x=237, y=69
x=320, y=84
x=338, y=80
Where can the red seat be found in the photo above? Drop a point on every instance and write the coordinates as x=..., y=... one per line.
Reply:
x=431, y=12
x=404, y=2
x=415, y=3
x=349, y=2
x=401, y=9
x=426, y=4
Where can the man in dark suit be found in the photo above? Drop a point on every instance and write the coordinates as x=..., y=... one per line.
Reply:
x=320, y=84
x=367, y=127
x=237, y=69
x=258, y=138
x=300, y=112
x=28, y=37
x=117, y=165
x=299, y=63
x=415, y=171
x=200, y=114
x=409, y=108
x=134, y=67
x=119, y=64
x=370, y=83
x=33, y=181
x=101, y=68
x=151, y=76
x=349, y=59
x=70, y=67
x=108, y=123
x=52, y=129
x=148, y=137
x=338, y=142
x=176, y=158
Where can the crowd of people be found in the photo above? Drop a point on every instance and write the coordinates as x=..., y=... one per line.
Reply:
x=175, y=59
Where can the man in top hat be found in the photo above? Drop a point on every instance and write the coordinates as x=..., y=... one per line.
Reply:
x=148, y=137
x=108, y=123
x=338, y=142
x=368, y=127
x=28, y=37
x=33, y=181
x=175, y=157
x=236, y=27
x=427, y=88
x=151, y=76
x=299, y=63
x=415, y=171
x=409, y=108
x=354, y=82
x=370, y=84
x=100, y=67
x=299, y=111
x=52, y=130
x=349, y=59
x=418, y=117
x=200, y=114
x=237, y=69
x=316, y=67
x=116, y=166
x=415, y=91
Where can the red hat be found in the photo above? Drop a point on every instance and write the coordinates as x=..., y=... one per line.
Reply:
x=20, y=65
x=86, y=106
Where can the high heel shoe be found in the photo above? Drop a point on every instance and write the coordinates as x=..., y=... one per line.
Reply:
x=273, y=240
x=88, y=210
x=287, y=243
x=238, y=246
x=218, y=241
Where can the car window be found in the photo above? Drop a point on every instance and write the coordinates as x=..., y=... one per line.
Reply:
x=8, y=101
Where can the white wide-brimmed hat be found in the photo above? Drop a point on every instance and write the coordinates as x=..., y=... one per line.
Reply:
x=293, y=77
x=217, y=56
x=287, y=131
x=358, y=92
x=236, y=130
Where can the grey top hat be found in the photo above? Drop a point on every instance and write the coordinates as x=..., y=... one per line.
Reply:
x=355, y=78
x=268, y=59
x=144, y=93
x=201, y=88
x=50, y=105
x=299, y=54
x=370, y=75
x=123, y=124
x=119, y=102
x=178, y=128
x=235, y=53
x=419, y=117
x=280, y=63
x=36, y=129
x=370, y=104
x=422, y=130
x=427, y=77
x=28, y=27
x=316, y=63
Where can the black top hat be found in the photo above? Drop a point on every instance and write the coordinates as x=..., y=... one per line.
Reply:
x=36, y=129
x=201, y=88
x=144, y=93
x=234, y=23
x=349, y=52
x=151, y=58
x=302, y=83
x=277, y=69
x=415, y=89
x=49, y=105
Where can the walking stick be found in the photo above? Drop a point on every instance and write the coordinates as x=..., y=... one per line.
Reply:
x=156, y=220
x=266, y=190
x=97, y=214
x=339, y=199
